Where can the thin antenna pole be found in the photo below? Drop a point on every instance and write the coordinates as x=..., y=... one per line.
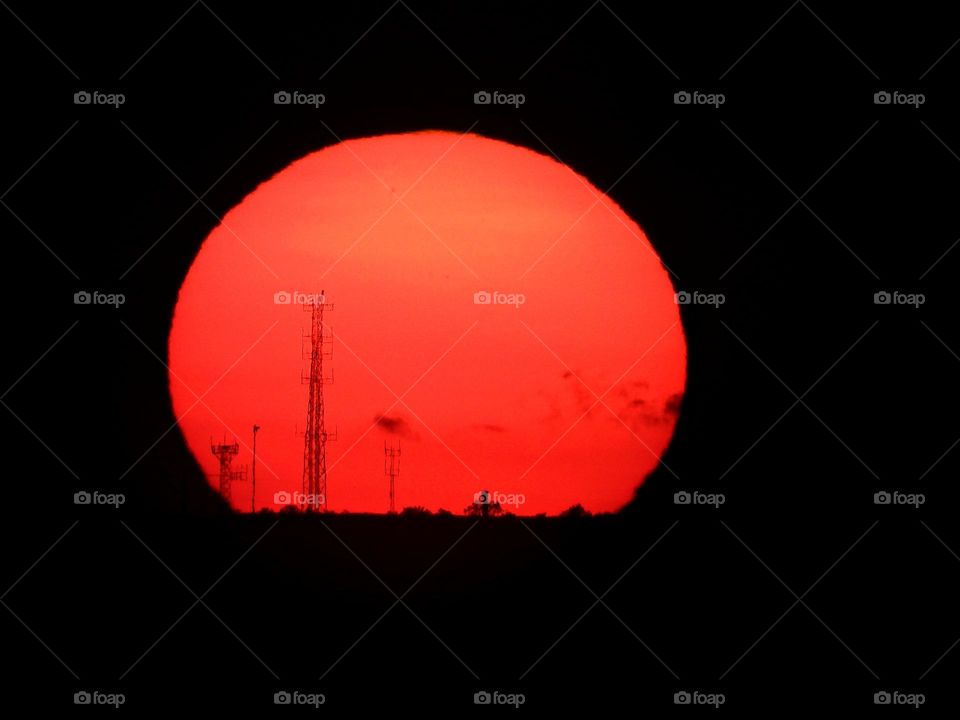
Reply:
x=253, y=477
x=391, y=467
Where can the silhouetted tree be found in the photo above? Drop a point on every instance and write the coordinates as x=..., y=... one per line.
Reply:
x=576, y=511
x=415, y=511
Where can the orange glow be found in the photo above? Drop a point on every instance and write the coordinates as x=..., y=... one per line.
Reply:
x=401, y=231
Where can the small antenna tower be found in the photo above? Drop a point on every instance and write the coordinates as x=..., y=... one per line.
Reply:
x=225, y=453
x=391, y=467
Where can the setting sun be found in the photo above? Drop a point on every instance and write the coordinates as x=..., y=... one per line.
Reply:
x=493, y=313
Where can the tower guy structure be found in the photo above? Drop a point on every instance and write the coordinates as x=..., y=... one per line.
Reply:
x=225, y=453
x=315, y=435
x=391, y=467
x=253, y=475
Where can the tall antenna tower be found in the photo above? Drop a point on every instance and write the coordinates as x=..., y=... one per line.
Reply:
x=391, y=467
x=315, y=436
x=225, y=453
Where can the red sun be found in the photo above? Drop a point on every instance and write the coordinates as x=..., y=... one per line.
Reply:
x=494, y=313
